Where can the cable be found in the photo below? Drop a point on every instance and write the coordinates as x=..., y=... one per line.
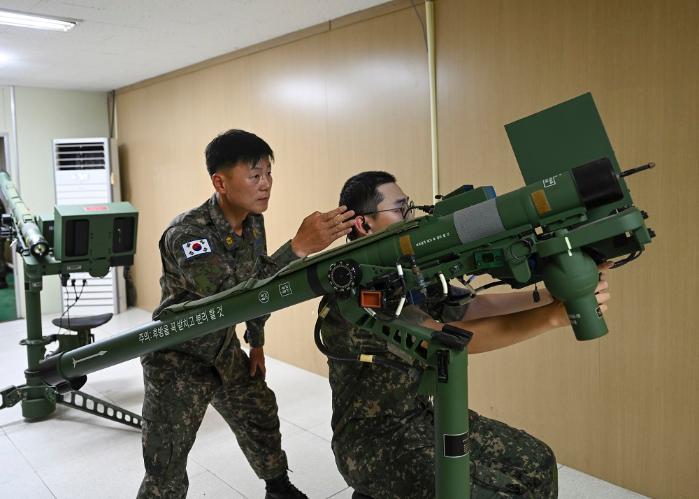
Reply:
x=491, y=285
x=77, y=297
x=628, y=259
x=367, y=358
x=422, y=23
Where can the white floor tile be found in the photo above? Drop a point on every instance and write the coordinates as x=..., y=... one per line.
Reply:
x=26, y=489
x=11, y=418
x=313, y=465
x=13, y=464
x=573, y=484
x=208, y=485
x=343, y=494
x=323, y=430
x=70, y=435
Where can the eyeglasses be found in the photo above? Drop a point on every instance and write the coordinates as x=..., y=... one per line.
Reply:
x=405, y=208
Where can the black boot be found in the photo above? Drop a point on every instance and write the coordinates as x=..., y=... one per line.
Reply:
x=359, y=495
x=282, y=488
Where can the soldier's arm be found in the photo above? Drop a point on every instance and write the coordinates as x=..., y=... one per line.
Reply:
x=493, y=333
x=283, y=256
x=493, y=304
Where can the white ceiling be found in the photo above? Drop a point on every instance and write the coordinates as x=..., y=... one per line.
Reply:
x=121, y=42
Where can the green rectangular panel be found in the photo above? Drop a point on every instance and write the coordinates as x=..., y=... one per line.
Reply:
x=559, y=138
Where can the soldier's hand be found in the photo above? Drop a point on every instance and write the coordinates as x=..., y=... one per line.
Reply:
x=318, y=230
x=602, y=290
x=559, y=315
x=257, y=361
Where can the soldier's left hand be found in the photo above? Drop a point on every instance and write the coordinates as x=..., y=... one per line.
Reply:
x=318, y=230
x=257, y=361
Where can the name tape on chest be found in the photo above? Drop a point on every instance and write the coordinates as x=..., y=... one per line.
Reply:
x=196, y=247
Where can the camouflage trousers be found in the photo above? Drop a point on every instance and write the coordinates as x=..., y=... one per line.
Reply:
x=178, y=390
x=396, y=459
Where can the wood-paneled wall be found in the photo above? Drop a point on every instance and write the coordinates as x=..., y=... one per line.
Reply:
x=330, y=105
x=352, y=95
x=624, y=408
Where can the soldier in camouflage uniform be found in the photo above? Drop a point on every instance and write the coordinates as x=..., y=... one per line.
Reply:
x=204, y=251
x=383, y=431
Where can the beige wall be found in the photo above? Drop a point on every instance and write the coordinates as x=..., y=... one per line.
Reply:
x=319, y=102
x=354, y=97
x=624, y=408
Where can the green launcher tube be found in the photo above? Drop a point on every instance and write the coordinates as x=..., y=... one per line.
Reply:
x=439, y=245
x=32, y=237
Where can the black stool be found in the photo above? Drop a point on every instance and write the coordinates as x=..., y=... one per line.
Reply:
x=82, y=326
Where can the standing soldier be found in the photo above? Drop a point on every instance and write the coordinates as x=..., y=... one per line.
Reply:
x=204, y=251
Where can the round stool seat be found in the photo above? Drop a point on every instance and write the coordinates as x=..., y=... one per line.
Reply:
x=82, y=323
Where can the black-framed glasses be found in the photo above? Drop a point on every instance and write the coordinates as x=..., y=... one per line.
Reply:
x=405, y=208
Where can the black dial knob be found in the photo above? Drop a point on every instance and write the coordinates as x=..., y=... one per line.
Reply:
x=344, y=275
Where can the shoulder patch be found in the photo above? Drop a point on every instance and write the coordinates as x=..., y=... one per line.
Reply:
x=196, y=247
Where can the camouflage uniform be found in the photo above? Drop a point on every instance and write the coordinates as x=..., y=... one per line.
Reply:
x=383, y=430
x=202, y=255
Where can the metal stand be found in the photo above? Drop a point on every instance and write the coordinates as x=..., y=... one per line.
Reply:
x=93, y=405
x=451, y=433
x=39, y=399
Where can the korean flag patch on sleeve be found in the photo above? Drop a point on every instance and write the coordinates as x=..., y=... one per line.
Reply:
x=196, y=247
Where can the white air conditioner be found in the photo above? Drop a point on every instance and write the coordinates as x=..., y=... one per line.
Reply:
x=87, y=172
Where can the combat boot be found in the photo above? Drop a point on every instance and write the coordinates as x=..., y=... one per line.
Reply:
x=282, y=488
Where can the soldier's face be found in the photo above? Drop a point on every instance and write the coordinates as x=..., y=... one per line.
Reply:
x=246, y=187
x=390, y=209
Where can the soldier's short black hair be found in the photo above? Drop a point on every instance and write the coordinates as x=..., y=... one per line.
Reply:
x=360, y=193
x=232, y=146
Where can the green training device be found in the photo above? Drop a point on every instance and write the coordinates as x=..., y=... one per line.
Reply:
x=77, y=238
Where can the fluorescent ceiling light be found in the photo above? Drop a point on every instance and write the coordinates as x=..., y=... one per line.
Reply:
x=5, y=58
x=24, y=20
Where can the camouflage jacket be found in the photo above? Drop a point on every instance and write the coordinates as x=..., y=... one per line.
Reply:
x=363, y=390
x=201, y=255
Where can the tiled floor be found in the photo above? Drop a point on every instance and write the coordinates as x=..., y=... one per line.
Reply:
x=75, y=455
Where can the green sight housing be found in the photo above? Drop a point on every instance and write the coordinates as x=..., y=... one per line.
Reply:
x=104, y=234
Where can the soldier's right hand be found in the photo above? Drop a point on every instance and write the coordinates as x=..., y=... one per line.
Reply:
x=318, y=230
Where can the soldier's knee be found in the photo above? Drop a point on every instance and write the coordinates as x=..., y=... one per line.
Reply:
x=547, y=457
x=164, y=452
x=544, y=478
